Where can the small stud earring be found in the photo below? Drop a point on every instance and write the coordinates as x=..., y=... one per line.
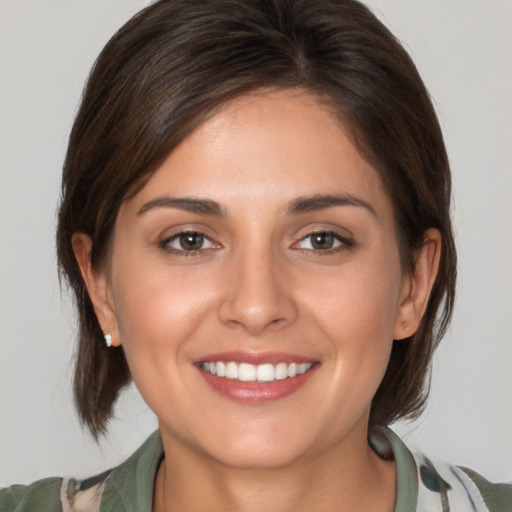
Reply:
x=108, y=339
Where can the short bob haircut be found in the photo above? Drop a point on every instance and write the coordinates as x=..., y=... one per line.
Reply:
x=175, y=64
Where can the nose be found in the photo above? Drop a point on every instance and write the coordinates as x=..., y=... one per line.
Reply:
x=258, y=295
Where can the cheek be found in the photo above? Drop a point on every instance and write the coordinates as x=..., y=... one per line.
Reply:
x=157, y=310
x=356, y=311
x=158, y=316
x=356, y=302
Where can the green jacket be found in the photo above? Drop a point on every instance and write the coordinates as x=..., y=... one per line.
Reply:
x=422, y=486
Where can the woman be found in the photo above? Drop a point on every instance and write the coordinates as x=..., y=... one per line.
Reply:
x=255, y=224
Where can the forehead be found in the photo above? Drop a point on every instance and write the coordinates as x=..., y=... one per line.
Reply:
x=268, y=144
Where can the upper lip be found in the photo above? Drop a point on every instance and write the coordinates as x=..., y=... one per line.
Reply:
x=240, y=356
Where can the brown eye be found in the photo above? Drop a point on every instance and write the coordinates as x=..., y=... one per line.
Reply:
x=188, y=243
x=322, y=241
x=191, y=241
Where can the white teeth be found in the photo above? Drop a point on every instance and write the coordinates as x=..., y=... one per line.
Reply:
x=292, y=370
x=281, y=371
x=221, y=369
x=265, y=372
x=303, y=367
x=232, y=371
x=247, y=372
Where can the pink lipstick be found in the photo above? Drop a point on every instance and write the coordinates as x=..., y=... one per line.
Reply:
x=255, y=378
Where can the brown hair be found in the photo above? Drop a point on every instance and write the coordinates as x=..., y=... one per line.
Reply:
x=177, y=61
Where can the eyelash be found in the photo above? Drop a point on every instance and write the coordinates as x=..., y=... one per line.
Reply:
x=344, y=243
x=165, y=244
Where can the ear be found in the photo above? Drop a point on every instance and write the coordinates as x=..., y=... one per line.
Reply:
x=417, y=286
x=97, y=285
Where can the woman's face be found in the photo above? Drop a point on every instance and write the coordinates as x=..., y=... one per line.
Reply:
x=263, y=247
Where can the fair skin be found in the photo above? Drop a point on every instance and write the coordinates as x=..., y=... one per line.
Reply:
x=266, y=272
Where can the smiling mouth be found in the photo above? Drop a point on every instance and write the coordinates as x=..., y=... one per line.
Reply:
x=247, y=372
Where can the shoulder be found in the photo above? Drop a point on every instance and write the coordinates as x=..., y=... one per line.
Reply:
x=126, y=488
x=440, y=483
x=41, y=496
x=54, y=495
x=427, y=485
x=497, y=496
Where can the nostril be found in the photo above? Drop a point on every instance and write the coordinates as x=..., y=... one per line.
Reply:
x=254, y=320
x=257, y=297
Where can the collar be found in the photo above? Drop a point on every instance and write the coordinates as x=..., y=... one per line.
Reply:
x=129, y=488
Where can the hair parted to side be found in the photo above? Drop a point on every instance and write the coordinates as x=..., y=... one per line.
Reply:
x=173, y=65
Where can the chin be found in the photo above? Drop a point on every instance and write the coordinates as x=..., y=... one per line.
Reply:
x=259, y=459
x=259, y=451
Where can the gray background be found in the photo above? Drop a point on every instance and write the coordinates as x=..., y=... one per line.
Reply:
x=463, y=49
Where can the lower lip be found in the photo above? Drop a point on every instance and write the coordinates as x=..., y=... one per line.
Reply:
x=256, y=392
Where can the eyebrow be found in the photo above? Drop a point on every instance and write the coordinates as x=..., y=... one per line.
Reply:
x=304, y=204
x=200, y=206
x=318, y=202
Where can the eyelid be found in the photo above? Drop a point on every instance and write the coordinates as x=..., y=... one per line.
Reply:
x=165, y=243
x=341, y=242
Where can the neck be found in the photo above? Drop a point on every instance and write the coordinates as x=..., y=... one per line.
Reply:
x=347, y=477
